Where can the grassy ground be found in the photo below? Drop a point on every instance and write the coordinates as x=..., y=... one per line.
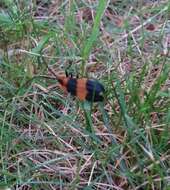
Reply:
x=50, y=140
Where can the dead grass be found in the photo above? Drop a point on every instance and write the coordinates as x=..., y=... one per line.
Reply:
x=44, y=134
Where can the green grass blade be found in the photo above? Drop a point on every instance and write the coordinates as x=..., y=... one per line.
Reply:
x=88, y=45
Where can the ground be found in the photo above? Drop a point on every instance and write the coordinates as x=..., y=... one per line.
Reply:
x=51, y=140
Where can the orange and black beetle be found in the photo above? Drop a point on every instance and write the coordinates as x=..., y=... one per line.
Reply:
x=83, y=88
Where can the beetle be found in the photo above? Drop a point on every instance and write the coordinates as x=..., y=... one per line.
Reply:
x=83, y=88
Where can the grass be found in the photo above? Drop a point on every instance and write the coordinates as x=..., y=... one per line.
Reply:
x=50, y=140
